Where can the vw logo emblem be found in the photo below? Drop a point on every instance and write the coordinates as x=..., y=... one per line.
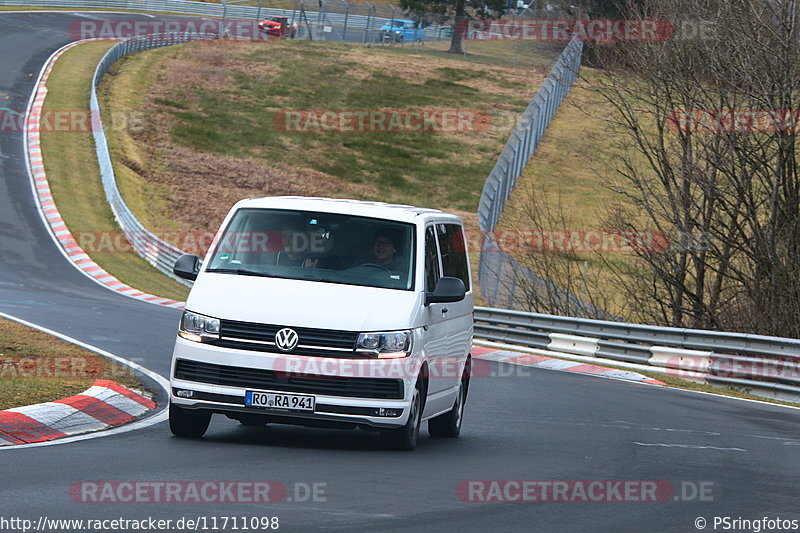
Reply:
x=286, y=339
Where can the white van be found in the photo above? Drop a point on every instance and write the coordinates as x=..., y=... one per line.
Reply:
x=327, y=313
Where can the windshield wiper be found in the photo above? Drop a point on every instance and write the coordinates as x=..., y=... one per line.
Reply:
x=242, y=272
x=328, y=280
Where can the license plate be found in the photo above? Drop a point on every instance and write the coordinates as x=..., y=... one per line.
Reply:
x=283, y=402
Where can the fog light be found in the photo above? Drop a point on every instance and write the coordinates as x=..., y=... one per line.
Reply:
x=183, y=393
x=392, y=413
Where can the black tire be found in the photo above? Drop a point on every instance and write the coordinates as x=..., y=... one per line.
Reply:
x=405, y=438
x=183, y=423
x=448, y=425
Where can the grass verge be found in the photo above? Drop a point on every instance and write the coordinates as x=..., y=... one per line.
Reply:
x=566, y=177
x=74, y=175
x=36, y=367
x=223, y=103
x=210, y=137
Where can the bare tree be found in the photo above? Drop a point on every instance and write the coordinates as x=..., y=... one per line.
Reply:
x=561, y=275
x=711, y=126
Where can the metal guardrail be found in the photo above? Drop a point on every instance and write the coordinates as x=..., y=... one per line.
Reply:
x=758, y=362
x=159, y=253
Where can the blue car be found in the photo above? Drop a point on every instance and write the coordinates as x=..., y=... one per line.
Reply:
x=400, y=30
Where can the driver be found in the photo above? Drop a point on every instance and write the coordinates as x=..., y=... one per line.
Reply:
x=385, y=251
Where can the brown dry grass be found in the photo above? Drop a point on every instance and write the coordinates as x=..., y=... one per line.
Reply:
x=192, y=182
x=36, y=367
x=172, y=186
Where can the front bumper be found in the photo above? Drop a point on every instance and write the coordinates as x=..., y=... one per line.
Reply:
x=344, y=407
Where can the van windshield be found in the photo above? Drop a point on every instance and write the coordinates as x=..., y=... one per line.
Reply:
x=321, y=247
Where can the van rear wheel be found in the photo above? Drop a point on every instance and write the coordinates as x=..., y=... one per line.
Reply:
x=183, y=423
x=405, y=438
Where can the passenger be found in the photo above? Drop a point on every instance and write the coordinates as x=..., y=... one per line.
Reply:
x=295, y=243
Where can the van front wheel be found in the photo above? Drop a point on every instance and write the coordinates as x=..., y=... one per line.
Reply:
x=182, y=423
x=405, y=438
x=449, y=424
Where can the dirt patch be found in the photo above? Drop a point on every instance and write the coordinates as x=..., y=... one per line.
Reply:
x=407, y=66
x=203, y=186
x=223, y=181
x=494, y=79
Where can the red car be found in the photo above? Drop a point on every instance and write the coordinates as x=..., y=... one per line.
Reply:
x=278, y=26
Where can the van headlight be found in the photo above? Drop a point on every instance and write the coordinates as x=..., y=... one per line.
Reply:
x=198, y=328
x=385, y=344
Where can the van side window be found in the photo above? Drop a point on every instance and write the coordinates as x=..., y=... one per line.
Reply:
x=432, y=273
x=454, y=252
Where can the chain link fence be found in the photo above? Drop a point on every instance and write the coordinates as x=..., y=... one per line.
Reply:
x=324, y=20
x=383, y=25
x=504, y=282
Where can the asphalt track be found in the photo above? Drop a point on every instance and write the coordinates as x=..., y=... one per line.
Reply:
x=534, y=425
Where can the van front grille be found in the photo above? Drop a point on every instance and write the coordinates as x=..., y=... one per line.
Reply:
x=261, y=338
x=257, y=378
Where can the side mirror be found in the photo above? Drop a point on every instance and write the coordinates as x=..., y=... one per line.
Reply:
x=187, y=267
x=448, y=290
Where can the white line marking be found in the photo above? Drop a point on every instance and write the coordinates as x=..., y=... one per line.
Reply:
x=787, y=441
x=84, y=15
x=689, y=446
x=54, y=234
x=30, y=176
x=634, y=425
x=621, y=424
x=152, y=420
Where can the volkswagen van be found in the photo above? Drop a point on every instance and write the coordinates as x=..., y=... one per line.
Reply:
x=327, y=313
